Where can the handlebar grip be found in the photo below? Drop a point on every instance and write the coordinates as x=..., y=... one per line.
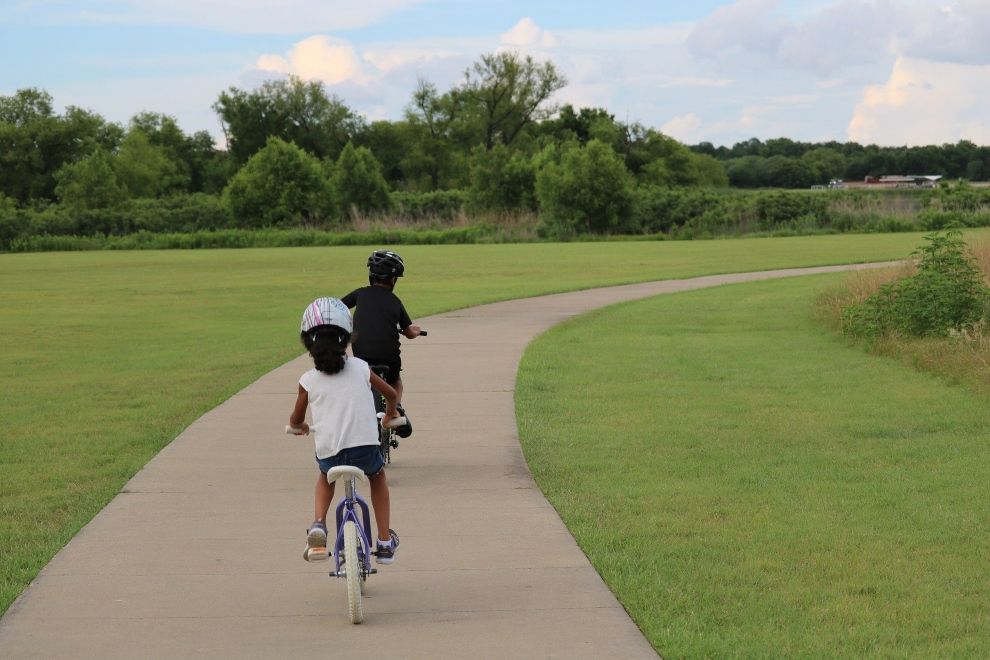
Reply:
x=397, y=422
x=423, y=333
x=290, y=431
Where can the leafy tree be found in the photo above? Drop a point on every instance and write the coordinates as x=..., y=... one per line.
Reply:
x=502, y=180
x=90, y=183
x=390, y=142
x=508, y=93
x=589, y=191
x=826, y=163
x=146, y=170
x=292, y=110
x=35, y=142
x=357, y=182
x=281, y=185
x=440, y=131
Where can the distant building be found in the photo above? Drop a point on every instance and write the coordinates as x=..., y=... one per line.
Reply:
x=904, y=181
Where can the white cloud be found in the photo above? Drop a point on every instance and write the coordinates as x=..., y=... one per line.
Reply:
x=527, y=34
x=925, y=102
x=685, y=128
x=250, y=16
x=317, y=58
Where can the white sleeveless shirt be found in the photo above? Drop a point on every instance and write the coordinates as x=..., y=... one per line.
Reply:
x=342, y=407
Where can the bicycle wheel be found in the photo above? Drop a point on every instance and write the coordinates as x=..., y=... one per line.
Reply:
x=385, y=444
x=352, y=567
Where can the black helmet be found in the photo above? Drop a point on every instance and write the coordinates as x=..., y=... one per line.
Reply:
x=385, y=263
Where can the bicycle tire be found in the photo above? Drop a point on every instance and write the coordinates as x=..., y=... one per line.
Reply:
x=385, y=445
x=352, y=567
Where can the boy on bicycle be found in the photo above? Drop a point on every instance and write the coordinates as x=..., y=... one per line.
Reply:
x=378, y=320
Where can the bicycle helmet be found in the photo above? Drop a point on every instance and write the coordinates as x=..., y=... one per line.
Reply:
x=385, y=263
x=327, y=311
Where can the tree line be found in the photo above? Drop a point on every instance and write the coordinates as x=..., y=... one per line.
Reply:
x=298, y=156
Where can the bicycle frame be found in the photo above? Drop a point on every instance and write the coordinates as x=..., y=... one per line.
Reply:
x=346, y=510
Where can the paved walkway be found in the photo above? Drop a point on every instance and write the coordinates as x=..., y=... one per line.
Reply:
x=201, y=554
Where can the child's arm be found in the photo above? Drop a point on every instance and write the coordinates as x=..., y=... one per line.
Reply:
x=391, y=397
x=297, y=420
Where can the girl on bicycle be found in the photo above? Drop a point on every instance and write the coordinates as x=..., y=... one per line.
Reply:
x=343, y=418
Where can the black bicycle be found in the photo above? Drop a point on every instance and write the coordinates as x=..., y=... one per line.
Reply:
x=386, y=435
x=387, y=440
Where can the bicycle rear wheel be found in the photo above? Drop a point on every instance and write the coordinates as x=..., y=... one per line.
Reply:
x=352, y=567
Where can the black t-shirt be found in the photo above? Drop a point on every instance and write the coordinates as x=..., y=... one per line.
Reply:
x=377, y=321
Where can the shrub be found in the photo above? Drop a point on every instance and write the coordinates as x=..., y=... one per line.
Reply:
x=946, y=293
x=589, y=191
x=443, y=204
x=358, y=184
x=280, y=186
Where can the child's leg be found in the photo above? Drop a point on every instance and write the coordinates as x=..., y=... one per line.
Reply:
x=380, y=501
x=324, y=496
x=397, y=386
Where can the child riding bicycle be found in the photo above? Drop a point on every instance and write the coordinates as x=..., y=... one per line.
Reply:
x=344, y=422
x=379, y=318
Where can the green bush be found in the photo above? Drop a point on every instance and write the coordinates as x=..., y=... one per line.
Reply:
x=280, y=186
x=589, y=192
x=358, y=184
x=947, y=293
x=179, y=213
x=442, y=204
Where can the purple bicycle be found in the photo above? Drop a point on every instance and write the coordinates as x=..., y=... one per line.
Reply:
x=352, y=549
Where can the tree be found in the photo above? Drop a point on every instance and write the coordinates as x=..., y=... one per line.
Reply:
x=589, y=191
x=90, y=183
x=292, y=110
x=281, y=185
x=35, y=142
x=439, y=136
x=358, y=183
x=502, y=180
x=509, y=92
x=145, y=169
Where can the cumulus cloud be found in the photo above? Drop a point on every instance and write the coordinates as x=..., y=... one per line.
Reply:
x=527, y=34
x=316, y=58
x=251, y=16
x=925, y=102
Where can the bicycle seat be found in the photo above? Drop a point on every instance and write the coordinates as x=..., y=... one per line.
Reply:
x=345, y=471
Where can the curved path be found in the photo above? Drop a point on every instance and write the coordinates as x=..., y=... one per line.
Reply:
x=201, y=553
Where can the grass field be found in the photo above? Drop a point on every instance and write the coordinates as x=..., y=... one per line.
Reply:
x=107, y=356
x=751, y=486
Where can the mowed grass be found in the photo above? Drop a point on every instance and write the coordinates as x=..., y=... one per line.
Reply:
x=107, y=356
x=751, y=486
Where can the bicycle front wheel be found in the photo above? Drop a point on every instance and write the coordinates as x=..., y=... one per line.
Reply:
x=352, y=567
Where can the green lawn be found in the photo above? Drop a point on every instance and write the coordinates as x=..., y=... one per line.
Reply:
x=107, y=356
x=751, y=486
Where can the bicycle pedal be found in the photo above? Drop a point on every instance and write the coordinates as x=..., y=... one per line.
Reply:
x=316, y=554
x=394, y=443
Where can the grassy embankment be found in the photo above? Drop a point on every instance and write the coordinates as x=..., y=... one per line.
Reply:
x=753, y=485
x=107, y=356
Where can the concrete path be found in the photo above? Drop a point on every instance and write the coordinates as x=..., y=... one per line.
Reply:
x=201, y=553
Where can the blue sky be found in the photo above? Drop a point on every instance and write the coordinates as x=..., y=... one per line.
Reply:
x=875, y=71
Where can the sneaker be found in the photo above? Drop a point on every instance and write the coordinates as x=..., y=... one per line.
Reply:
x=405, y=430
x=386, y=555
x=317, y=535
x=316, y=542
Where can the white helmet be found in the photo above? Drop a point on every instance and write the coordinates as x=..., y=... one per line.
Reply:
x=326, y=311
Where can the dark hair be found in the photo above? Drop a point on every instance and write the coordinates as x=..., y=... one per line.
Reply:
x=327, y=344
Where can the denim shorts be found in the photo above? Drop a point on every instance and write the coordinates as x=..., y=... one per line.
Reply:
x=366, y=457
